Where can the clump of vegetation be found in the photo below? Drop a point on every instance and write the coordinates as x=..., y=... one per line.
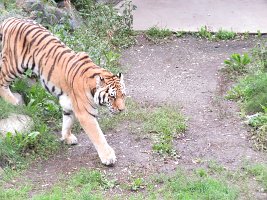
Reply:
x=156, y=34
x=251, y=92
x=137, y=184
x=167, y=123
x=225, y=35
x=259, y=171
x=237, y=63
x=164, y=124
x=15, y=151
x=204, y=33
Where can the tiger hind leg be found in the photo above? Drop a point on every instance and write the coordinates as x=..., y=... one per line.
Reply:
x=8, y=96
x=67, y=136
x=5, y=79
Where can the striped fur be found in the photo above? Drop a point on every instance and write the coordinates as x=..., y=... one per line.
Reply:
x=79, y=84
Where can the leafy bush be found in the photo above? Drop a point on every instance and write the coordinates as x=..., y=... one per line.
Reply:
x=237, y=63
x=252, y=92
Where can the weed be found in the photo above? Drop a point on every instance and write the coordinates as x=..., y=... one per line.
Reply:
x=167, y=123
x=258, y=33
x=156, y=34
x=237, y=63
x=180, y=34
x=225, y=35
x=204, y=33
x=137, y=184
x=246, y=35
x=252, y=92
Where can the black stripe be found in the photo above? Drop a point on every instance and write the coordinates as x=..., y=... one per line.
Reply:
x=53, y=89
x=42, y=38
x=63, y=52
x=61, y=93
x=52, y=69
x=66, y=113
x=90, y=113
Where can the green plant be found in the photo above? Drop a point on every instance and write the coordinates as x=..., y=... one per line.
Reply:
x=251, y=91
x=258, y=33
x=260, y=172
x=137, y=184
x=225, y=35
x=180, y=33
x=84, y=184
x=204, y=33
x=155, y=33
x=237, y=63
x=183, y=186
x=167, y=123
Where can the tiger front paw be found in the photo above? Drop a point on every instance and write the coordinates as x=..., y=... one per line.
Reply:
x=108, y=156
x=71, y=139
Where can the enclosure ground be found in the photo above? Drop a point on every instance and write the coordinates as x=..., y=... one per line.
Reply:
x=183, y=72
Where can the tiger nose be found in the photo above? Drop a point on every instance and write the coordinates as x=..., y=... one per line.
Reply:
x=121, y=109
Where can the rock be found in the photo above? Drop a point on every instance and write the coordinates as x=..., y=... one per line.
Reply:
x=15, y=122
x=19, y=97
x=51, y=15
x=1, y=171
x=2, y=7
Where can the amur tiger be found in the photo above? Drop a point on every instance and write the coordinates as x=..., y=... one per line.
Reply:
x=79, y=84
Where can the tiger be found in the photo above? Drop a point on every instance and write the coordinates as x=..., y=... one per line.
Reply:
x=79, y=84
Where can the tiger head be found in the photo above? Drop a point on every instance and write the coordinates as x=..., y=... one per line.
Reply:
x=110, y=91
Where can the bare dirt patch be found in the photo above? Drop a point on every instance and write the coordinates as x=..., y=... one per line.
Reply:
x=182, y=72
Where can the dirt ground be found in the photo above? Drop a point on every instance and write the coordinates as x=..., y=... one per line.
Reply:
x=182, y=72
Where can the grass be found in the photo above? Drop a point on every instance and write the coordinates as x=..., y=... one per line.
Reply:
x=204, y=33
x=259, y=171
x=163, y=124
x=156, y=34
x=222, y=34
x=251, y=93
x=17, y=151
x=198, y=185
x=85, y=184
x=225, y=35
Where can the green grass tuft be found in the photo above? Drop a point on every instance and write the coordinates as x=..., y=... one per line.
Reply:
x=260, y=172
x=225, y=35
x=85, y=184
x=157, y=34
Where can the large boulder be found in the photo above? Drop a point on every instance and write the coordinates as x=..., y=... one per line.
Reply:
x=16, y=122
x=49, y=14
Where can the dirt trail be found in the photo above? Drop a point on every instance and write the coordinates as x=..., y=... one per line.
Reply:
x=186, y=72
x=182, y=72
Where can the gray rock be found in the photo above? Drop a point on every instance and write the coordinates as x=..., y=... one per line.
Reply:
x=19, y=97
x=1, y=171
x=15, y=122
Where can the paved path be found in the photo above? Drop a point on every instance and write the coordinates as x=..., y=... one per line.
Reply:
x=190, y=15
